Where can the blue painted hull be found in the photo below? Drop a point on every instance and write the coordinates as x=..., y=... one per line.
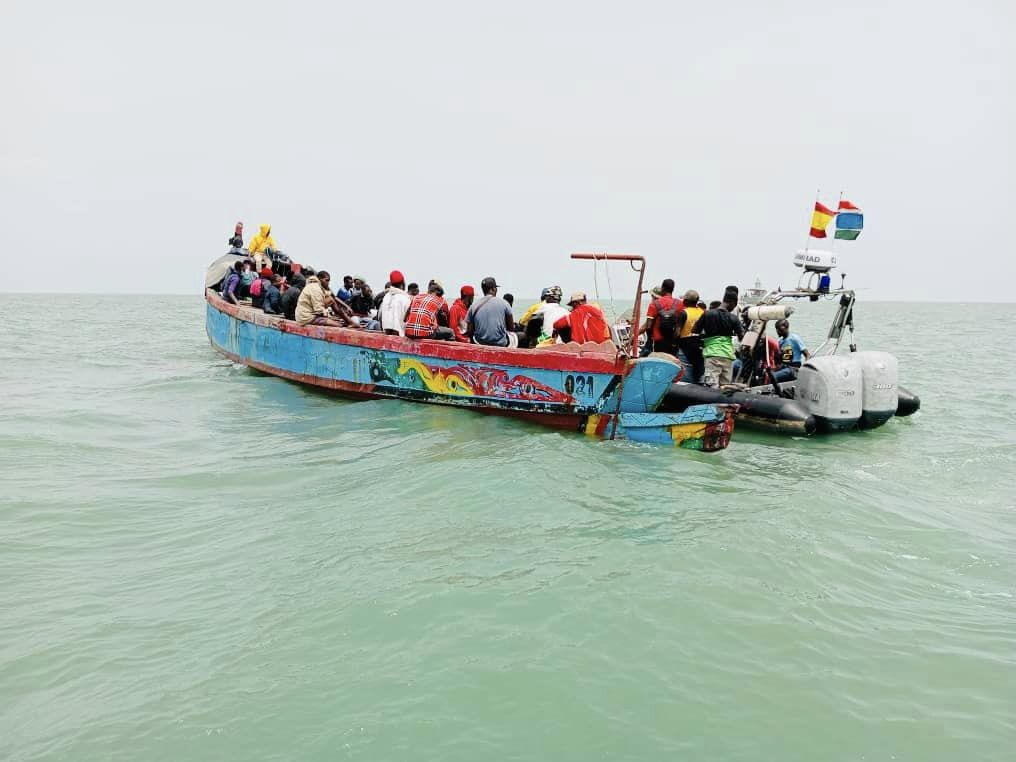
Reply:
x=568, y=389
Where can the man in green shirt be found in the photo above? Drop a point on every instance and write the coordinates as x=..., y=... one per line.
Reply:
x=717, y=326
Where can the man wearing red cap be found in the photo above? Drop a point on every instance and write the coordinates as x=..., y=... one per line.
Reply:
x=395, y=305
x=458, y=312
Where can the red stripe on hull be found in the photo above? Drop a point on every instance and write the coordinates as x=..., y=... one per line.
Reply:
x=546, y=359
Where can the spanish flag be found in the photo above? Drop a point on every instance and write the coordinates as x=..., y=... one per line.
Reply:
x=820, y=219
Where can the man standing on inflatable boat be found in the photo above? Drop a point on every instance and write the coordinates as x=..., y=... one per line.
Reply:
x=716, y=327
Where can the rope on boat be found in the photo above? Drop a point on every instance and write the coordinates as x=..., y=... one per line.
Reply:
x=610, y=288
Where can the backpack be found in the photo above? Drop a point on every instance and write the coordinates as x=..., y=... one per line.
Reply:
x=666, y=319
x=256, y=287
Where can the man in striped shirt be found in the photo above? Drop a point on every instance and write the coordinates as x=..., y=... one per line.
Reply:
x=425, y=315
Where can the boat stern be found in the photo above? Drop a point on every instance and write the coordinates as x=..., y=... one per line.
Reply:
x=706, y=428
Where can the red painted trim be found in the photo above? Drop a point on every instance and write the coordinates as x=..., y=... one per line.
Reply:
x=568, y=421
x=820, y=207
x=546, y=359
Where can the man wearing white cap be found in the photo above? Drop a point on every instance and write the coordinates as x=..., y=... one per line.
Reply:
x=586, y=321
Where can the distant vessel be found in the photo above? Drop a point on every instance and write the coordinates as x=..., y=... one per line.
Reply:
x=752, y=296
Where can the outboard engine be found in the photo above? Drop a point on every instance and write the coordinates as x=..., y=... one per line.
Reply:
x=831, y=389
x=880, y=397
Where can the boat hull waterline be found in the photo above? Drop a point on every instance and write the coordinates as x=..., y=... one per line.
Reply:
x=594, y=392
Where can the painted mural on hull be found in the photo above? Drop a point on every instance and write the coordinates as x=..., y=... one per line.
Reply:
x=597, y=393
x=386, y=373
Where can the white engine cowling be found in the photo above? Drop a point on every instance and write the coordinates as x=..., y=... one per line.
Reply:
x=831, y=389
x=880, y=396
x=770, y=311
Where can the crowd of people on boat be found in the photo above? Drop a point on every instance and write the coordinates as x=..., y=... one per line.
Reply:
x=701, y=337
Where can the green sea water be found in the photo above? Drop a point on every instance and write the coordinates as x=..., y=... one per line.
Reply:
x=200, y=562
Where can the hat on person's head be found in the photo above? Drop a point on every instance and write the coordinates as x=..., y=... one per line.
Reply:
x=435, y=283
x=395, y=276
x=359, y=278
x=578, y=296
x=488, y=283
x=266, y=272
x=657, y=291
x=467, y=291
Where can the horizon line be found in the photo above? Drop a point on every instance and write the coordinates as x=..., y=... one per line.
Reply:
x=201, y=295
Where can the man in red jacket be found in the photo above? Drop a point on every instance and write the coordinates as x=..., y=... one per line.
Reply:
x=457, y=314
x=586, y=321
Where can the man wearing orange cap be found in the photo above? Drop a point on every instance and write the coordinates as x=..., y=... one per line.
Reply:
x=457, y=314
x=395, y=305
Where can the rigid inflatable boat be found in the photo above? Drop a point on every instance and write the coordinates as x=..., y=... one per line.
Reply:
x=831, y=391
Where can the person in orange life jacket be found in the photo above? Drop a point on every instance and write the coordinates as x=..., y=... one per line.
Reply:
x=422, y=321
x=586, y=321
x=459, y=310
x=661, y=319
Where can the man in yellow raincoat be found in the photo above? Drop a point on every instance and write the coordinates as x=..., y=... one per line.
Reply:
x=259, y=243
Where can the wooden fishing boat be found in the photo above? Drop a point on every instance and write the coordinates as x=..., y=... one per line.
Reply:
x=597, y=389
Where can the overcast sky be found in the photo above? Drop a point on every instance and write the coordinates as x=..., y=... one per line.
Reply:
x=464, y=139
